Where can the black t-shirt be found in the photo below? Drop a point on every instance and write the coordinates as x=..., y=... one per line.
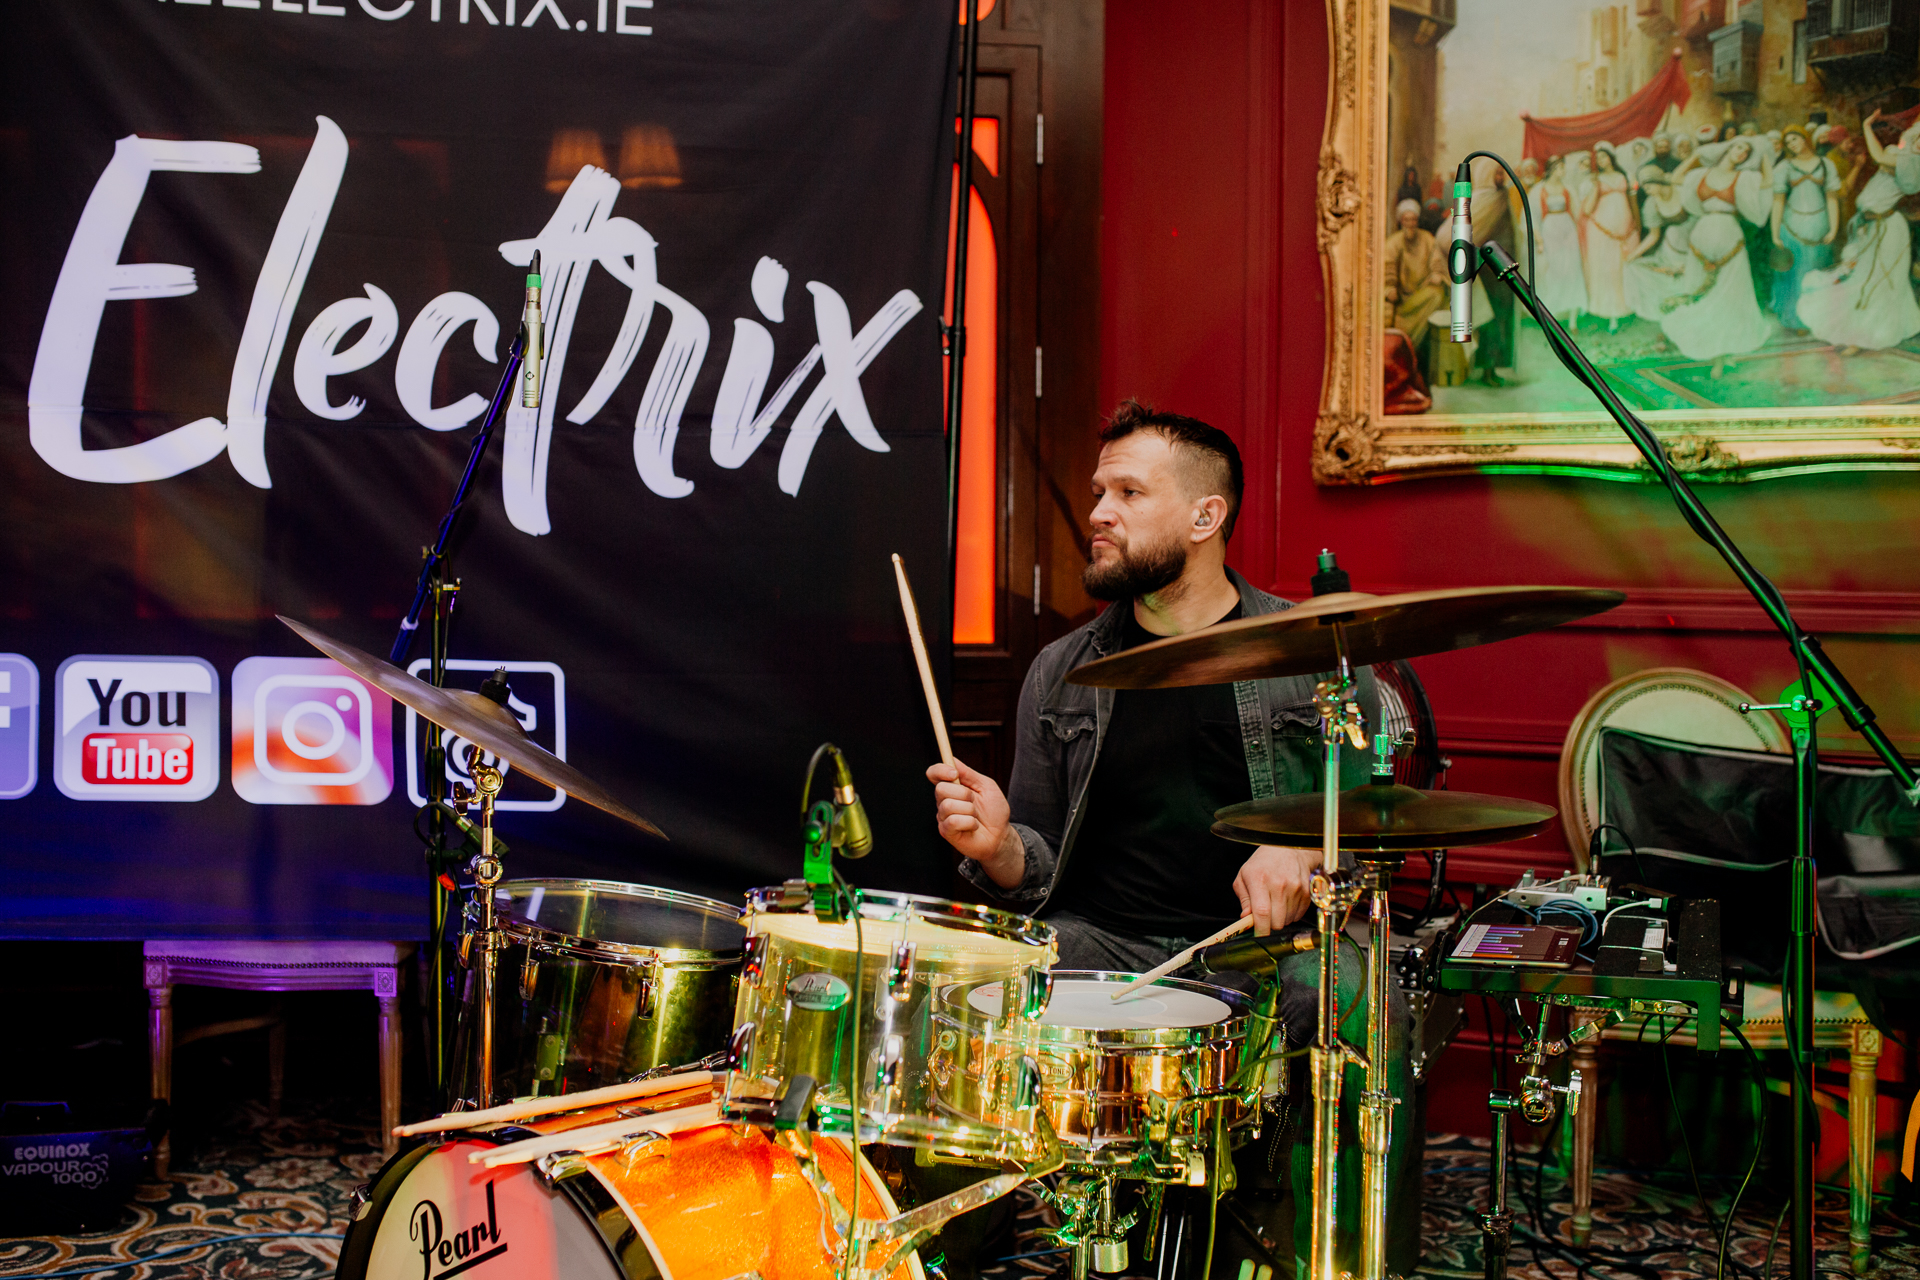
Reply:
x=1146, y=861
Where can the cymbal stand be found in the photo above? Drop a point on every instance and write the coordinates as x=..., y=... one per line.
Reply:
x=437, y=586
x=1376, y=870
x=487, y=871
x=1090, y=1226
x=1377, y=1101
x=1334, y=894
x=445, y=593
x=1536, y=1104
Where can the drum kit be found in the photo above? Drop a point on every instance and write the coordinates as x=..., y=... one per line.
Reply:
x=652, y=1084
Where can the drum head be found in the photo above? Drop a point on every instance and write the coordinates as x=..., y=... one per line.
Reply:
x=1087, y=1004
x=615, y=914
x=939, y=928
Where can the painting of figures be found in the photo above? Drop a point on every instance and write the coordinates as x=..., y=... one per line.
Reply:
x=1721, y=193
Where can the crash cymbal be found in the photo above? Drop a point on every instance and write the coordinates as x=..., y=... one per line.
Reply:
x=1299, y=641
x=1385, y=818
x=477, y=719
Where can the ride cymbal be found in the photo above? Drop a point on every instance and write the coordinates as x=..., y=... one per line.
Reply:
x=479, y=720
x=1300, y=640
x=1385, y=818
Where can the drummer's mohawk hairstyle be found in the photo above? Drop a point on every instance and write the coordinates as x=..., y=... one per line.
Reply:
x=1215, y=459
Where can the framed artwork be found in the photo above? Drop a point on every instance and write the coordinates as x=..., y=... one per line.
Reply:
x=1721, y=193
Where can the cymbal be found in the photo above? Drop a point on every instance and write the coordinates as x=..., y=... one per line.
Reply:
x=478, y=719
x=1385, y=818
x=1299, y=641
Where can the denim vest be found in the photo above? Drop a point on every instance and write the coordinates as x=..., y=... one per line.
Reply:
x=1061, y=728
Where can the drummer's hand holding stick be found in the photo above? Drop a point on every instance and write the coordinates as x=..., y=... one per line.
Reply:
x=976, y=820
x=1273, y=890
x=973, y=813
x=1275, y=886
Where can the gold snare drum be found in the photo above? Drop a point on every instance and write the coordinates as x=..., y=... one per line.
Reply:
x=1102, y=1063
x=798, y=1015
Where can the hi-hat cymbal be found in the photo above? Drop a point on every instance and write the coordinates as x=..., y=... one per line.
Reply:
x=479, y=720
x=1385, y=818
x=1300, y=640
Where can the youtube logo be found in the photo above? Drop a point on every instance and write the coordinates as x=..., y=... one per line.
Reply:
x=162, y=759
x=136, y=728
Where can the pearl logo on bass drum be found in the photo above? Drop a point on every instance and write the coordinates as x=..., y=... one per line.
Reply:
x=443, y=1254
x=136, y=728
x=449, y=1218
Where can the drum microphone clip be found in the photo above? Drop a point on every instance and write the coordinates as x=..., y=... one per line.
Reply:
x=839, y=824
x=1254, y=955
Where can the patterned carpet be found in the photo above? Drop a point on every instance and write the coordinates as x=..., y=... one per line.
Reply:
x=1642, y=1225
x=281, y=1182
x=264, y=1198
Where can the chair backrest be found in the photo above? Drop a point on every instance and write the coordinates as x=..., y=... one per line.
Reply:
x=1668, y=702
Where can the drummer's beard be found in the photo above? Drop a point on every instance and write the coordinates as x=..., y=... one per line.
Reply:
x=1133, y=573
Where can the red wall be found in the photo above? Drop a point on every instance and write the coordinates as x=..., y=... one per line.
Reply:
x=1211, y=297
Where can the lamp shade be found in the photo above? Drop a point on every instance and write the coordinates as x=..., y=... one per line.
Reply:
x=648, y=157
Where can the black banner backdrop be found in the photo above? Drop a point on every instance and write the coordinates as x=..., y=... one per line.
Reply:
x=260, y=265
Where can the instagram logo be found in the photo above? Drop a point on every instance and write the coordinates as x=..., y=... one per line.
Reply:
x=308, y=731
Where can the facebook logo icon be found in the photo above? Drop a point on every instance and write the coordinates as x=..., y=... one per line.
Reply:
x=19, y=726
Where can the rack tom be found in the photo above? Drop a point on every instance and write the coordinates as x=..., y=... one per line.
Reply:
x=853, y=1009
x=600, y=981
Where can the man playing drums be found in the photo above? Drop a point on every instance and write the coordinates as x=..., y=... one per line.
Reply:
x=1104, y=827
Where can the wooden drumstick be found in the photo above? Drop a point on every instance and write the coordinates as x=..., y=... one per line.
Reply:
x=600, y=1137
x=920, y=658
x=557, y=1103
x=1158, y=972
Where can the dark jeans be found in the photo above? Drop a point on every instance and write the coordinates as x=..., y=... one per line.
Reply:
x=1085, y=945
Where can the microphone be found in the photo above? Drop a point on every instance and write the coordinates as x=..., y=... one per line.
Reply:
x=1254, y=955
x=1460, y=259
x=531, y=323
x=851, y=830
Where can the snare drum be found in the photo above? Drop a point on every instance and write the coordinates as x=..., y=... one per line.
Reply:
x=704, y=1204
x=600, y=981
x=1102, y=1061
x=797, y=1016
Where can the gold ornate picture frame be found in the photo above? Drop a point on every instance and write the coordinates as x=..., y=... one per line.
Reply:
x=1357, y=442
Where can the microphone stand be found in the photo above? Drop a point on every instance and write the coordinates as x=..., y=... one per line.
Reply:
x=1820, y=677
x=437, y=585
